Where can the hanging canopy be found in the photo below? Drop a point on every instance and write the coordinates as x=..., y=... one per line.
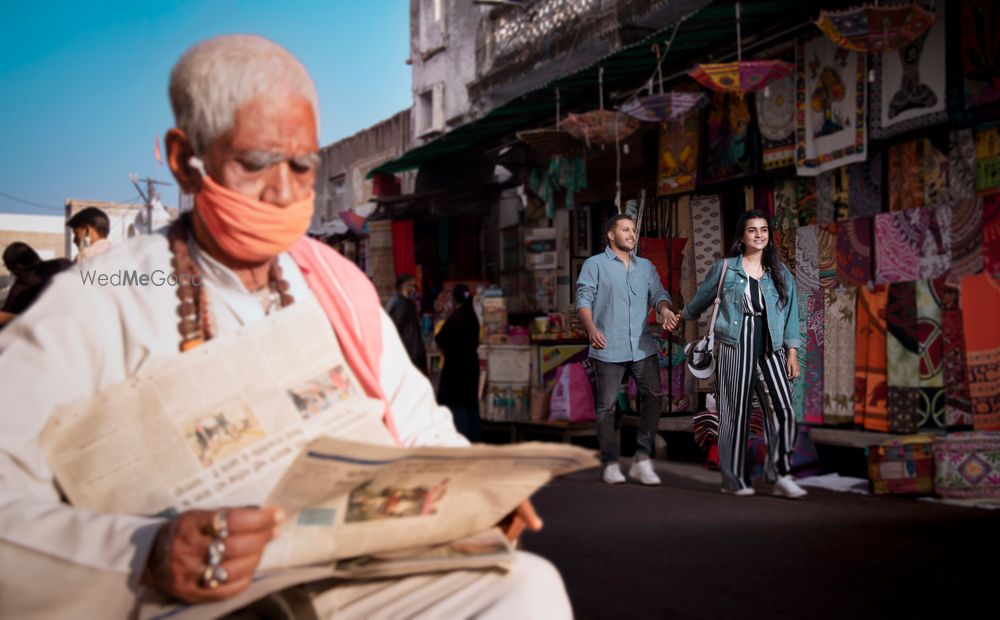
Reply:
x=874, y=28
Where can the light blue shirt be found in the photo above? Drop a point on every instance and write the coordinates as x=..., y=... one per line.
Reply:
x=619, y=299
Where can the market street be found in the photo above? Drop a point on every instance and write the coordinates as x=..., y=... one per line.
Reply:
x=684, y=550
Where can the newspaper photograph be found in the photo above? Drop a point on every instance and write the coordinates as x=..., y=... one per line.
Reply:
x=346, y=499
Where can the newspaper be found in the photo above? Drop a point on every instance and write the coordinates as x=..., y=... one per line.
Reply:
x=346, y=499
x=216, y=426
x=272, y=415
x=486, y=550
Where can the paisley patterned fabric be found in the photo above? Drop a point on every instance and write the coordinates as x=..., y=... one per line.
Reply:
x=854, y=251
x=966, y=238
x=903, y=351
x=931, y=349
x=961, y=165
x=991, y=233
x=935, y=254
x=827, y=241
x=812, y=370
x=898, y=243
x=865, y=186
x=807, y=259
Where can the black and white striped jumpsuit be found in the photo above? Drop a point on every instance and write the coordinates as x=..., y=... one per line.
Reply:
x=753, y=364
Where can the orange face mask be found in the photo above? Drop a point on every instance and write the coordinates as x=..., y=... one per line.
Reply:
x=246, y=229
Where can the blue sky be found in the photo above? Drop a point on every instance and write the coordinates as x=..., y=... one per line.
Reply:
x=84, y=84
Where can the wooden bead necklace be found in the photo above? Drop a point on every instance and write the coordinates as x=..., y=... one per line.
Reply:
x=196, y=324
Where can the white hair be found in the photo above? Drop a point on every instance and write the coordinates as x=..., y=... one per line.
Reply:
x=213, y=79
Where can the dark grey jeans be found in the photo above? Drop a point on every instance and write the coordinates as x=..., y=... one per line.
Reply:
x=609, y=377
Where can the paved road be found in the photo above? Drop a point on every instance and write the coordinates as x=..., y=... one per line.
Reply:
x=684, y=550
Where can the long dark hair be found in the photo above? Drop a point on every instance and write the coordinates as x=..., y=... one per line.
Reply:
x=770, y=260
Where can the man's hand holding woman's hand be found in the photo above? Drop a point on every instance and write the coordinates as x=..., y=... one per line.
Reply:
x=668, y=318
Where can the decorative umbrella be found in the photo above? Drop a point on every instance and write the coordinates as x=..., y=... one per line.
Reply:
x=600, y=127
x=548, y=143
x=666, y=107
x=741, y=76
x=873, y=28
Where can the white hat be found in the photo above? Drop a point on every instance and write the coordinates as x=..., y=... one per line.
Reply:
x=700, y=359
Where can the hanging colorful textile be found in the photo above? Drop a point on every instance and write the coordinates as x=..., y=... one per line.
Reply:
x=798, y=386
x=873, y=28
x=404, y=258
x=899, y=241
x=784, y=244
x=839, y=356
x=805, y=196
x=932, y=394
x=827, y=265
x=903, y=353
x=961, y=164
x=987, y=158
x=830, y=127
x=665, y=108
x=655, y=250
x=871, y=388
x=807, y=260
x=678, y=162
x=980, y=299
x=854, y=252
x=776, y=114
x=918, y=175
x=865, y=183
x=991, y=232
x=980, y=49
x=832, y=195
x=706, y=218
x=958, y=405
x=812, y=370
x=786, y=206
x=910, y=89
x=563, y=173
x=966, y=238
x=935, y=254
x=729, y=151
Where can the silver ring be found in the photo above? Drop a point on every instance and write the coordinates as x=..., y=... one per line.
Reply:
x=214, y=576
x=219, y=527
x=216, y=552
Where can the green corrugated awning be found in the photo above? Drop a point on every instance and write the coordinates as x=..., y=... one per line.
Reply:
x=709, y=30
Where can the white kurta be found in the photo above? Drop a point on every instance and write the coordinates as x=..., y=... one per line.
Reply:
x=80, y=338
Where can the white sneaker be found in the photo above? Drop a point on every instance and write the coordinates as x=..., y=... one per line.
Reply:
x=745, y=492
x=643, y=471
x=786, y=487
x=613, y=474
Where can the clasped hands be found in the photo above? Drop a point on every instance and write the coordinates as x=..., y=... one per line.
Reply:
x=668, y=319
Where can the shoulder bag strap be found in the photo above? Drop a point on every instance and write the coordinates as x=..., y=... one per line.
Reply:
x=718, y=300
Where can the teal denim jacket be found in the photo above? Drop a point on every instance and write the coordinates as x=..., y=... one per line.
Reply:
x=782, y=322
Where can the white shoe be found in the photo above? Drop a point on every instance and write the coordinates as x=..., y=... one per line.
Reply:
x=643, y=471
x=613, y=474
x=744, y=492
x=786, y=487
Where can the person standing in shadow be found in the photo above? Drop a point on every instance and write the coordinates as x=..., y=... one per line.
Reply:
x=459, y=387
x=403, y=311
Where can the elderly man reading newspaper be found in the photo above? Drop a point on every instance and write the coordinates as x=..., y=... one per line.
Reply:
x=245, y=144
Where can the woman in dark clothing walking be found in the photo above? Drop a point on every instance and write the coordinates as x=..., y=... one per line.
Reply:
x=458, y=341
